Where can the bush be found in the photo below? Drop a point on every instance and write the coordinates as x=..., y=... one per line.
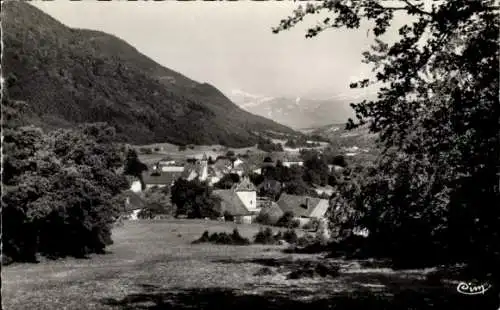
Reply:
x=62, y=193
x=312, y=270
x=223, y=238
x=145, y=150
x=312, y=225
x=182, y=148
x=264, y=219
x=286, y=220
x=265, y=236
x=228, y=217
x=290, y=236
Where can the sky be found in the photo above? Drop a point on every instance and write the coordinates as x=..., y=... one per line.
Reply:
x=230, y=44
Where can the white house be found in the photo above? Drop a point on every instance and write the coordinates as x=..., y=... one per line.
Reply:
x=172, y=168
x=293, y=163
x=240, y=201
x=237, y=162
x=136, y=186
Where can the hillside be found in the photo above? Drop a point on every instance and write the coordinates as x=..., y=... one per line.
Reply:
x=70, y=76
x=359, y=145
x=297, y=112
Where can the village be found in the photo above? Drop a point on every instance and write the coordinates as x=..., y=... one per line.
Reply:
x=245, y=186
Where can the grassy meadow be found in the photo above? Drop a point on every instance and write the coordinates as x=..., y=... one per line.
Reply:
x=153, y=265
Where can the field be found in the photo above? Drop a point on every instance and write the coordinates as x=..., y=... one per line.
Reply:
x=172, y=151
x=153, y=265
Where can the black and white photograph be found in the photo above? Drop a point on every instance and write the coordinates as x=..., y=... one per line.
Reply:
x=328, y=154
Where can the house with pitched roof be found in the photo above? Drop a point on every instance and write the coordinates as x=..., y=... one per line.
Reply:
x=160, y=178
x=197, y=170
x=304, y=208
x=240, y=201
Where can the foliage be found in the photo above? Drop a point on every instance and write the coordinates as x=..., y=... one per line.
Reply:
x=211, y=161
x=59, y=190
x=268, y=159
x=436, y=116
x=256, y=178
x=134, y=167
x=266, y=236
x=290, y=236
x=157, y=203
x=182, y=148
x=268, y=146
x=228, y=217
x=71, y=76
x=287, y=220
x=313, y=225
x=339, y=160
x=223, y=238
x=316, y=169
x=195, y=200
x=298, y=187
x=300, y=142
x=264, y=219
x=270, y=189
x=227, y=181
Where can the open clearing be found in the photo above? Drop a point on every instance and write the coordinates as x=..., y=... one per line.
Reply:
x=153, y=265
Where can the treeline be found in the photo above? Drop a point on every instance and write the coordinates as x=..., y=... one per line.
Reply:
x=60, y=189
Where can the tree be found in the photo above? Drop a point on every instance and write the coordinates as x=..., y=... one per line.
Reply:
x=437, y=118
x=134, y=167
x=316, y=170
x=339, y=160
x=158, y=202
x=297, y=187
x=60, y=191
x=195, y=199
x=227, y=181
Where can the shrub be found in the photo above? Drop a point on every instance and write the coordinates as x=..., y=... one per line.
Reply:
x=317, y=269
x=223, y=238
x=265, y=236
x=62, y=193
x=265, y=271
x=264, y=219
x=312, y=225
x=237, y=239
x=290, y=236
x=286, y=220
x=182, y=148
x=146, y=150
x=228, y=217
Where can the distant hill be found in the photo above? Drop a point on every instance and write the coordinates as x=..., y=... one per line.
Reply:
x=296, y=112
x=69, y=76
x=358, y=145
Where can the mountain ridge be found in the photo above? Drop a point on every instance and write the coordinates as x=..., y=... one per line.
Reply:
x=70, y=76
x=296, y=112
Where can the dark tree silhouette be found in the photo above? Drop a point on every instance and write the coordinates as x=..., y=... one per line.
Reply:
x=437, y=117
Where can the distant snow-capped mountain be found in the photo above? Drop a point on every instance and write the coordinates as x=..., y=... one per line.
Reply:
x=298, y=112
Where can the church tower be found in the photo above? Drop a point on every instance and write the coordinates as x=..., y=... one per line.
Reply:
x=204, y=168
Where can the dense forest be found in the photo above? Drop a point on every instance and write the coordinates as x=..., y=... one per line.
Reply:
x=70, y=76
